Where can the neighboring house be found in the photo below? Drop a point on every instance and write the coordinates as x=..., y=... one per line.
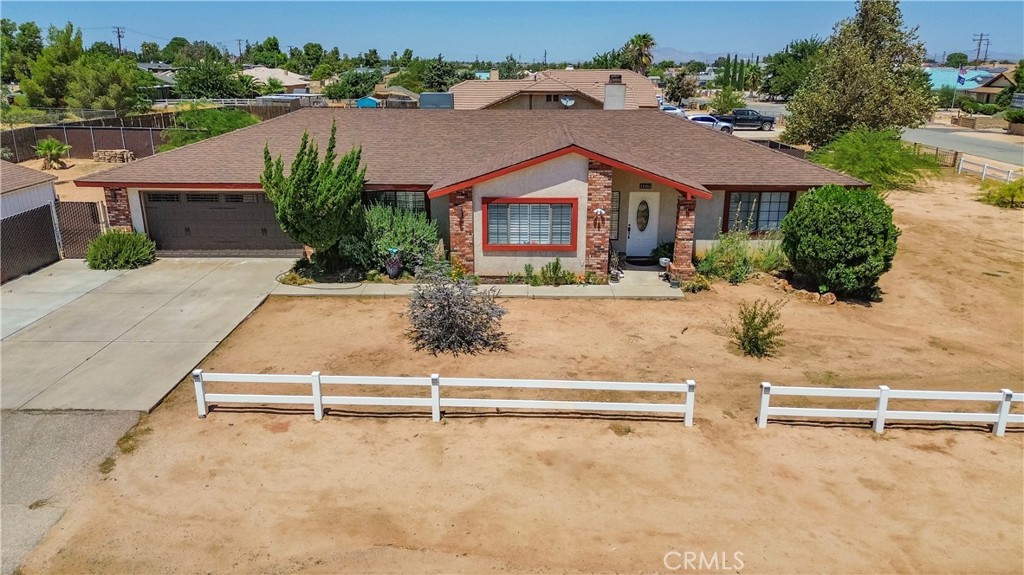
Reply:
x=156, y=67
x=30, y=237
x=292, y=82
x=989, y=90
x=396, y=96
x=506, y=187
x=545, y=89
x=367, y=102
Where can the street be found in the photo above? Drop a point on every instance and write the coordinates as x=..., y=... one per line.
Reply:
x=956, y=139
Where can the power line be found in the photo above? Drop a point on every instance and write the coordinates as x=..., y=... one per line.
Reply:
x=119, y=32
x=979, y=38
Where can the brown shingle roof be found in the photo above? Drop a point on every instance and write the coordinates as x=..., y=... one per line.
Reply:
x=424, y=147
x=14, y=177
x=480, y=94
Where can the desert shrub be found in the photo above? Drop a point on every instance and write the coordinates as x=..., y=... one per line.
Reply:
x=768, y=257
x=293, y=278
x=196, y=124
x=664, y=250
x=530, y=276
x=988, y=109
x=759, y=327
x=120, y=250
x=728, y=258
x=453, y=316
x=699, y=283
x=843, y=240
x=880, y=158
x=1014, y=116
x=553, y=274
x=969, y=106
x=412, y=234
x=1003, y=194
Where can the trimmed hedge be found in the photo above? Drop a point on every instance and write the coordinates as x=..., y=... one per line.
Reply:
x=843, y=240
x=120, y=250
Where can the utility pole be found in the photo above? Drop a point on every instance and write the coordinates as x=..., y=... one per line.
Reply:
x=979, y=38
x=545, y=57
x=239, y=40
x=987, y=42
x=119, y=32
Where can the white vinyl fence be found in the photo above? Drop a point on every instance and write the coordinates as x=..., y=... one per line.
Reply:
x=881, y=413
x=315, y=382
x=986, y=171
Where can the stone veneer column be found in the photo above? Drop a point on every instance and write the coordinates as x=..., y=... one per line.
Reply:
x=599, y=195
x=460, y=226
x=682, y=253
x=119, y=214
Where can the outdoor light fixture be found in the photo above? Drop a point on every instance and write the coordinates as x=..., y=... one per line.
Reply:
x=599, y=211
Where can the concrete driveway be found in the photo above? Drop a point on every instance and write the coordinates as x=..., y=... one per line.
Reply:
x=75, y=338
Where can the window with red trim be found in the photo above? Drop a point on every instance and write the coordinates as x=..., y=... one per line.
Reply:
x=529, y=224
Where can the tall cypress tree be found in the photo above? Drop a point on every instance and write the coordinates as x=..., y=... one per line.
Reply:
x=726, y=73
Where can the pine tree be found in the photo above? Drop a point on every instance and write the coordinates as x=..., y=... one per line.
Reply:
x=869, y=74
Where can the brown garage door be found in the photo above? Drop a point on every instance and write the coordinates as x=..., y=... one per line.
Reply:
x=216, y=224
x=27, y=242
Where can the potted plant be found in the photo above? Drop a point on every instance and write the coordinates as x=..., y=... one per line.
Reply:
x=393, y=264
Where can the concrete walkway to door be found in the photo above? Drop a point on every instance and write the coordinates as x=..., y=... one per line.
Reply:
x=75, y=338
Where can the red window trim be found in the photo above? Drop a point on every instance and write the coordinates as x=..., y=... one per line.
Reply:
x=570, y=247
x=728, y=204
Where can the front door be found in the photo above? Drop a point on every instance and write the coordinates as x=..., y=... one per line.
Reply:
x=642, y=230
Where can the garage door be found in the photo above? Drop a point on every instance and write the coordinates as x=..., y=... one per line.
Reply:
x=216, y=224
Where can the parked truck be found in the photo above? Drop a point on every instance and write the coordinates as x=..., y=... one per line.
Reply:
x=747, y=118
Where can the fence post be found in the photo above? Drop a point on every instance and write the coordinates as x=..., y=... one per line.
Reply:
x=883, y=404
x=1008, y=175
x=762, y=414
x=152, y=144
x=691, y=392
x=984, y=171
x=124, y=144
x=92, y=138
x=197, y=378
x=960, y=165
x=1004, y=411
x=65, y=128
x=435, y=397
x=318, y=400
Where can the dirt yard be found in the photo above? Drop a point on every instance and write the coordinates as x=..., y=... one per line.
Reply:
x=67, y=191
x=269, y=490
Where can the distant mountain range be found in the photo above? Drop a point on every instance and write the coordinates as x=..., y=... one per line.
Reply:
x=669, y=53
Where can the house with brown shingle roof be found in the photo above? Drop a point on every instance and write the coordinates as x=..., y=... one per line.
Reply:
x=28, y=220
x=544, y=91
x=506, y=187
x=989, y=91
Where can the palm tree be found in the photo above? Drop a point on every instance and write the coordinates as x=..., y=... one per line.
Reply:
x=637, y=52
x=248, y=86
x=273, y=86
x=755, y=75
x=51, y=151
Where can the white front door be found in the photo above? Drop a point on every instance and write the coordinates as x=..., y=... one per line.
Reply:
x=642, y=230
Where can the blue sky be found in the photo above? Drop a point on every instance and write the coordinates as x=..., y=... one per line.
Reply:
x=569, y=31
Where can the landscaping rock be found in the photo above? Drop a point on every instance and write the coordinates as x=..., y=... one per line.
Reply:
x=828, y=298
x=113, y=156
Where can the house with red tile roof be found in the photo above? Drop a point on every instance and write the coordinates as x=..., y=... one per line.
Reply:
x=506, y=187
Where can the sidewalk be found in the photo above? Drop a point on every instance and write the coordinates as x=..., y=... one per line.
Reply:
x=623, y=291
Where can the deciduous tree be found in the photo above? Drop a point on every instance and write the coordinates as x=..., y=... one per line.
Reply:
x=957, y=59
x=102, y=82
x=51, y=71
x=787, y=71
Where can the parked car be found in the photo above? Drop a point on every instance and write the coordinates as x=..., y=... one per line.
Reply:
x=673, y=110
x=747, y=118
x=711, y=122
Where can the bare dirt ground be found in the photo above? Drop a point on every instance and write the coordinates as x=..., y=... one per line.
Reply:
x=67, y=191
x=269, y=490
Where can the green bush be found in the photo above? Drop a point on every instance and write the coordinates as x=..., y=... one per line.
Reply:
x=880, y=158
x=412, y=234
x=665, y=250
x=759, y=327
x=120, y=250
x=989, y=109
x=197, y=124
x=1014, y=116
x=728, y=258
x=843, y=240
x=969, y=106
x=699, y=283
x=1004, y=194
x=553, y=274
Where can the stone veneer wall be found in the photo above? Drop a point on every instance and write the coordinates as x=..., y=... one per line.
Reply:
x=460, y=226
x=599, y=196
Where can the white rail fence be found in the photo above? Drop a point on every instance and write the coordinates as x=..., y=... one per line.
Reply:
x=986, y=171
x=435, y=401
x=882, y=413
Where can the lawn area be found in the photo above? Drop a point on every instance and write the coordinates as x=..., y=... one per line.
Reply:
x=386, y=491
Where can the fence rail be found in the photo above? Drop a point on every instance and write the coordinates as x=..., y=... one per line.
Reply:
x=986, y=171
x=435, y=401
x=881, y=412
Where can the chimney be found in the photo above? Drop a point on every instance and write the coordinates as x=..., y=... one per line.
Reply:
x=615, y=93
x=494, y=74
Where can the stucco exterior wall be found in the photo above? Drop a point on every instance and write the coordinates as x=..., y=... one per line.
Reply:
x=564, y=177
x=25, y=199
x=439, y=214
x=538, y=102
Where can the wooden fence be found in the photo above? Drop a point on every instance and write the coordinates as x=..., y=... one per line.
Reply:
x=315, y=382
x=784, y=148
x=881, y=413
